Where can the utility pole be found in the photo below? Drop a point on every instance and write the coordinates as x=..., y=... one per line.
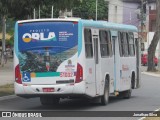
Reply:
x=158, y=19
x=39, y=12
x=52, y=12
x=96, y=8
x=142, y=14
x=34, y=13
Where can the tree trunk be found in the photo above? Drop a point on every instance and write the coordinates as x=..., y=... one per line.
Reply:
x=3, y=39
x=151, y=51
x=153, y=45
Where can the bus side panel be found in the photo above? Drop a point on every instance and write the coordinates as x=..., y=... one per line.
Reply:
x=18, y=87
x=80, y=88
x=88, y=70
x=107, y=69
x=126, y=65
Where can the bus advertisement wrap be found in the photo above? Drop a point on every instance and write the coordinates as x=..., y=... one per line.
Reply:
x=47, y=47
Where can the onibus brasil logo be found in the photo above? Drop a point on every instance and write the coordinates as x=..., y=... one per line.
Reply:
x=28, y=37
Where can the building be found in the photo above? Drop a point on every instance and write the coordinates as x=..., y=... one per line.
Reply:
x=151, y=15
x=129, y=12
x=124, y=11
x=115, y=11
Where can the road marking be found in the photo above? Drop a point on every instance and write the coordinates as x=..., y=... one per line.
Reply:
x=152, y=112
x=142, y=118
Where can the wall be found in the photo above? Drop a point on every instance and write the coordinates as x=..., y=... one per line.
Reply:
x=115, y=13
x=129, y=14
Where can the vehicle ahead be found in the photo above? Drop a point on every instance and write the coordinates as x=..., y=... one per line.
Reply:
x=59, y=58
x=144, y=59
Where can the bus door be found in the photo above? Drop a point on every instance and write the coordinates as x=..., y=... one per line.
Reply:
x=116, y=59
x=114, y=53
x=97, y=69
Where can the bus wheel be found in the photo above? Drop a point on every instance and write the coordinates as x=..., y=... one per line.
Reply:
x=49, y=100
x=133, y=81
x=105, y=97
x=127, y=94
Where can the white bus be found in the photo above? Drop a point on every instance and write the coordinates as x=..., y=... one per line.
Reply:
x=61, y=58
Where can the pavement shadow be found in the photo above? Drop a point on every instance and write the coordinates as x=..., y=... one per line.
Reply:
x=77, y=104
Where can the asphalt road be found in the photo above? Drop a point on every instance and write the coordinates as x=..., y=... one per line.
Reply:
x=146, y=98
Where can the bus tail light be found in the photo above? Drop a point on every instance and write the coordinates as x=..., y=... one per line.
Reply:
x=18, y=75
x=79, y=74
x=75, y=22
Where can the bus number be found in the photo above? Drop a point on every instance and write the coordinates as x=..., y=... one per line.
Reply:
x=66, y=74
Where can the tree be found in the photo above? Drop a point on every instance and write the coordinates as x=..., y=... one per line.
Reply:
x=14, y=8
x=4, y=4
x=87, y=9
x=152, y=47
x=63, y=5
x=24, y=9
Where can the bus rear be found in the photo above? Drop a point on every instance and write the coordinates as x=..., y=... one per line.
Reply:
x=46, y=58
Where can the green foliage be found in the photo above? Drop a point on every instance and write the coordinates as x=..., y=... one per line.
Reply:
x=23, y=9
x=46, y=11
x=87, y=9
x=66, y=4
x=4, y=4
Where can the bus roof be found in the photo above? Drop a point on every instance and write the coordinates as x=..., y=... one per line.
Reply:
x=89, y=23
x=49, y=19
x=109, y=25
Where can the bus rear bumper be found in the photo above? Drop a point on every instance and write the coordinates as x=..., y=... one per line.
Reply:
x=60, y=90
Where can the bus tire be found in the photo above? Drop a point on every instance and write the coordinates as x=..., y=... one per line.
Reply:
x=133, y=80
x=49, y=100
x=105, y=97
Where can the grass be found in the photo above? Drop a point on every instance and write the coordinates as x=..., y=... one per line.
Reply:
x=6, y=90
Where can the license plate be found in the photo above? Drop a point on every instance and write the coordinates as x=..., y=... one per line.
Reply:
x=48, y=89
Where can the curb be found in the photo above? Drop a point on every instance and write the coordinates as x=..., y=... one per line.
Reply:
x=151, y=74
x=8, y=97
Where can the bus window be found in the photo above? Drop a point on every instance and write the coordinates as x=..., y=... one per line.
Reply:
x=88, y=43
x=120, y=46
x=123, y=44
x=110, y=44
x=131, y=44
x=105, y=43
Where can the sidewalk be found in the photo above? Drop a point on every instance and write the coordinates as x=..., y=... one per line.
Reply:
x=6, y=73
x=144, y=71
x=151, y=74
